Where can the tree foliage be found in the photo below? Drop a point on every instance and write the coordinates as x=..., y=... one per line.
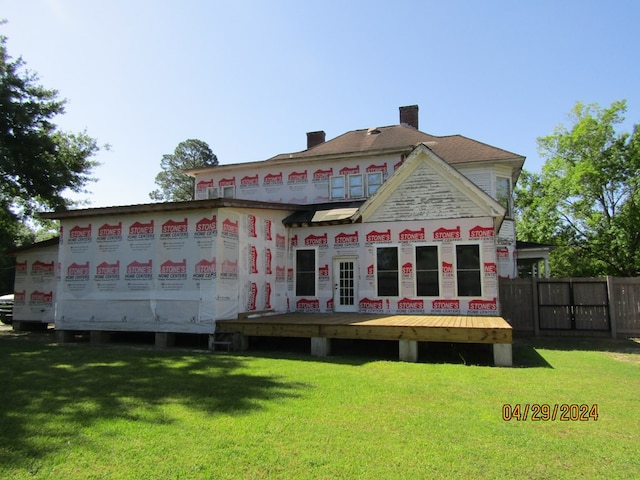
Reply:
x=38, y=163
x=174, y=185
x=586, y=199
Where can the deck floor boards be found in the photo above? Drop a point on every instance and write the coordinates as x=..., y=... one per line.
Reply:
x=436, y=328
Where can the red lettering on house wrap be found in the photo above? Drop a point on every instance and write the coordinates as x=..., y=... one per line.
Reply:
x=80, y=232
x=227, y=182
x=490, y=268
x=272, y=179
x=106, y=268
x=316, y=240
x=230, y=227
x=447, y=267
x=502, y=252
x=107, y=230
x=205, y=266
x=139, y=228
x=297, y=177
x=412, y=235
x=78, y=269
x=349, y=170
x=171, y=226
x=204, y=184
x=446, y=233
x=136, y=267
x=320, y=174
x=308, y=304
x=377, y=168
x=21, y=267
x=481, y=232
x=483, y=305
x=346, y=238
x=369, y=304
x=248, y=181
x=407, y=268
x=407, y=304
x=40, y=267
x=445, y=305
x=206, y=225
x=173, y=267
x=374, y=236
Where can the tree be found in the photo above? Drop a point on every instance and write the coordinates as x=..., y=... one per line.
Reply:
x=586, y=199
x=174, y=184
x=38, y=163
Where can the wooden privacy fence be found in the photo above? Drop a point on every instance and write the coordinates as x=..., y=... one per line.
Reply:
x=572, y=306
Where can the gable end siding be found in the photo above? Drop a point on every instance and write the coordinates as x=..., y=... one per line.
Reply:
x=425, y=195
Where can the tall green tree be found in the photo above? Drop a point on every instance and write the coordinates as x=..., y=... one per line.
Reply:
x=586, y=199
x=38, y=163
x=174, y=185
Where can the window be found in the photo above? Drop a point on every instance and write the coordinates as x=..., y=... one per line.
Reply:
x=356, y=187
x=374, y=180
x=503, y=193
x=387, y=271
x=427, y=273
x=468, y=270
x=222, y=192
x=337, y=187
x=305, y=272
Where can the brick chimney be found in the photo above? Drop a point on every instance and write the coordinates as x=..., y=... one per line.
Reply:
x=315, y=138
x=409, y=116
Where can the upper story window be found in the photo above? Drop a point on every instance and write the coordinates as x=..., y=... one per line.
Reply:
x=503, y=194
x=221, y=192
x=354, y=186
x=374, y=180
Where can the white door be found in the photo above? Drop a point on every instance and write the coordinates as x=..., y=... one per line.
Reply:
x=345, y=284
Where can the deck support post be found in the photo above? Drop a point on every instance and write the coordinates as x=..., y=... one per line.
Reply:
x=97, y=337
x=64, y=336
x=240, y=342
x=320, y=346
x=502, y=355
x=165, y=339
x=408, y=350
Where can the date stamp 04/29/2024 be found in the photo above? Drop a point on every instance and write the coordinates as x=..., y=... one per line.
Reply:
x=547, y=412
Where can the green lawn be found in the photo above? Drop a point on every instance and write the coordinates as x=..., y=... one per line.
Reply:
x=77, y=411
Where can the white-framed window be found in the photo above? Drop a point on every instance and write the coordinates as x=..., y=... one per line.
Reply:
x=337, y=187
x=221, y=192
x=374, y=180
x=427, y=271
x=503, y=194
x=387, y=272
x=468, y=270
x=356, y=186
x=305, y=272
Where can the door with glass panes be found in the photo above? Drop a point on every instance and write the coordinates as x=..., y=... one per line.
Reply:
x=345, y=284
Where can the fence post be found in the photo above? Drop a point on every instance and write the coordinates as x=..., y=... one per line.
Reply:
x=534, y=297
x=612, y=306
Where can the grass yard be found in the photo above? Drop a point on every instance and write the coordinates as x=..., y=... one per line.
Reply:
x=81, y=412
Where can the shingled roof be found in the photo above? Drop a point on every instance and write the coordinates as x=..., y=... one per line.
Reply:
x=401, y=138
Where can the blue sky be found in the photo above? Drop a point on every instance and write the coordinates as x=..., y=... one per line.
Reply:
x=250, y=78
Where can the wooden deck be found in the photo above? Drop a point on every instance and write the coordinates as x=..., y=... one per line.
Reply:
x=407, y=329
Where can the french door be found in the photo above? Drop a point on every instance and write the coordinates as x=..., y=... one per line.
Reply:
x=345, y=284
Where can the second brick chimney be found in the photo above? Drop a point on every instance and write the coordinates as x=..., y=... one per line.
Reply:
x=315, y=138
x=409, y=116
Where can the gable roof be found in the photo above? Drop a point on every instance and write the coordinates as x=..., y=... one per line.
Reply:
x=424, y=155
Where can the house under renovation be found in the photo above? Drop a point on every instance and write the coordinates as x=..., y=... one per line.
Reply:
x=380, y=233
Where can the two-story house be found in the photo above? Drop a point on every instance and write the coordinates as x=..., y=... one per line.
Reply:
x=379, y=220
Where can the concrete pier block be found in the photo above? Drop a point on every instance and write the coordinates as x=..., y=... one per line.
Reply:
x=408, y=350
x=502, y=354
x=165, y=339
x=320, y=347
x=97, y=337
x=64, y=336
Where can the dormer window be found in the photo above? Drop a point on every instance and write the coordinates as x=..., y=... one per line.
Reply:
x=221, y=192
